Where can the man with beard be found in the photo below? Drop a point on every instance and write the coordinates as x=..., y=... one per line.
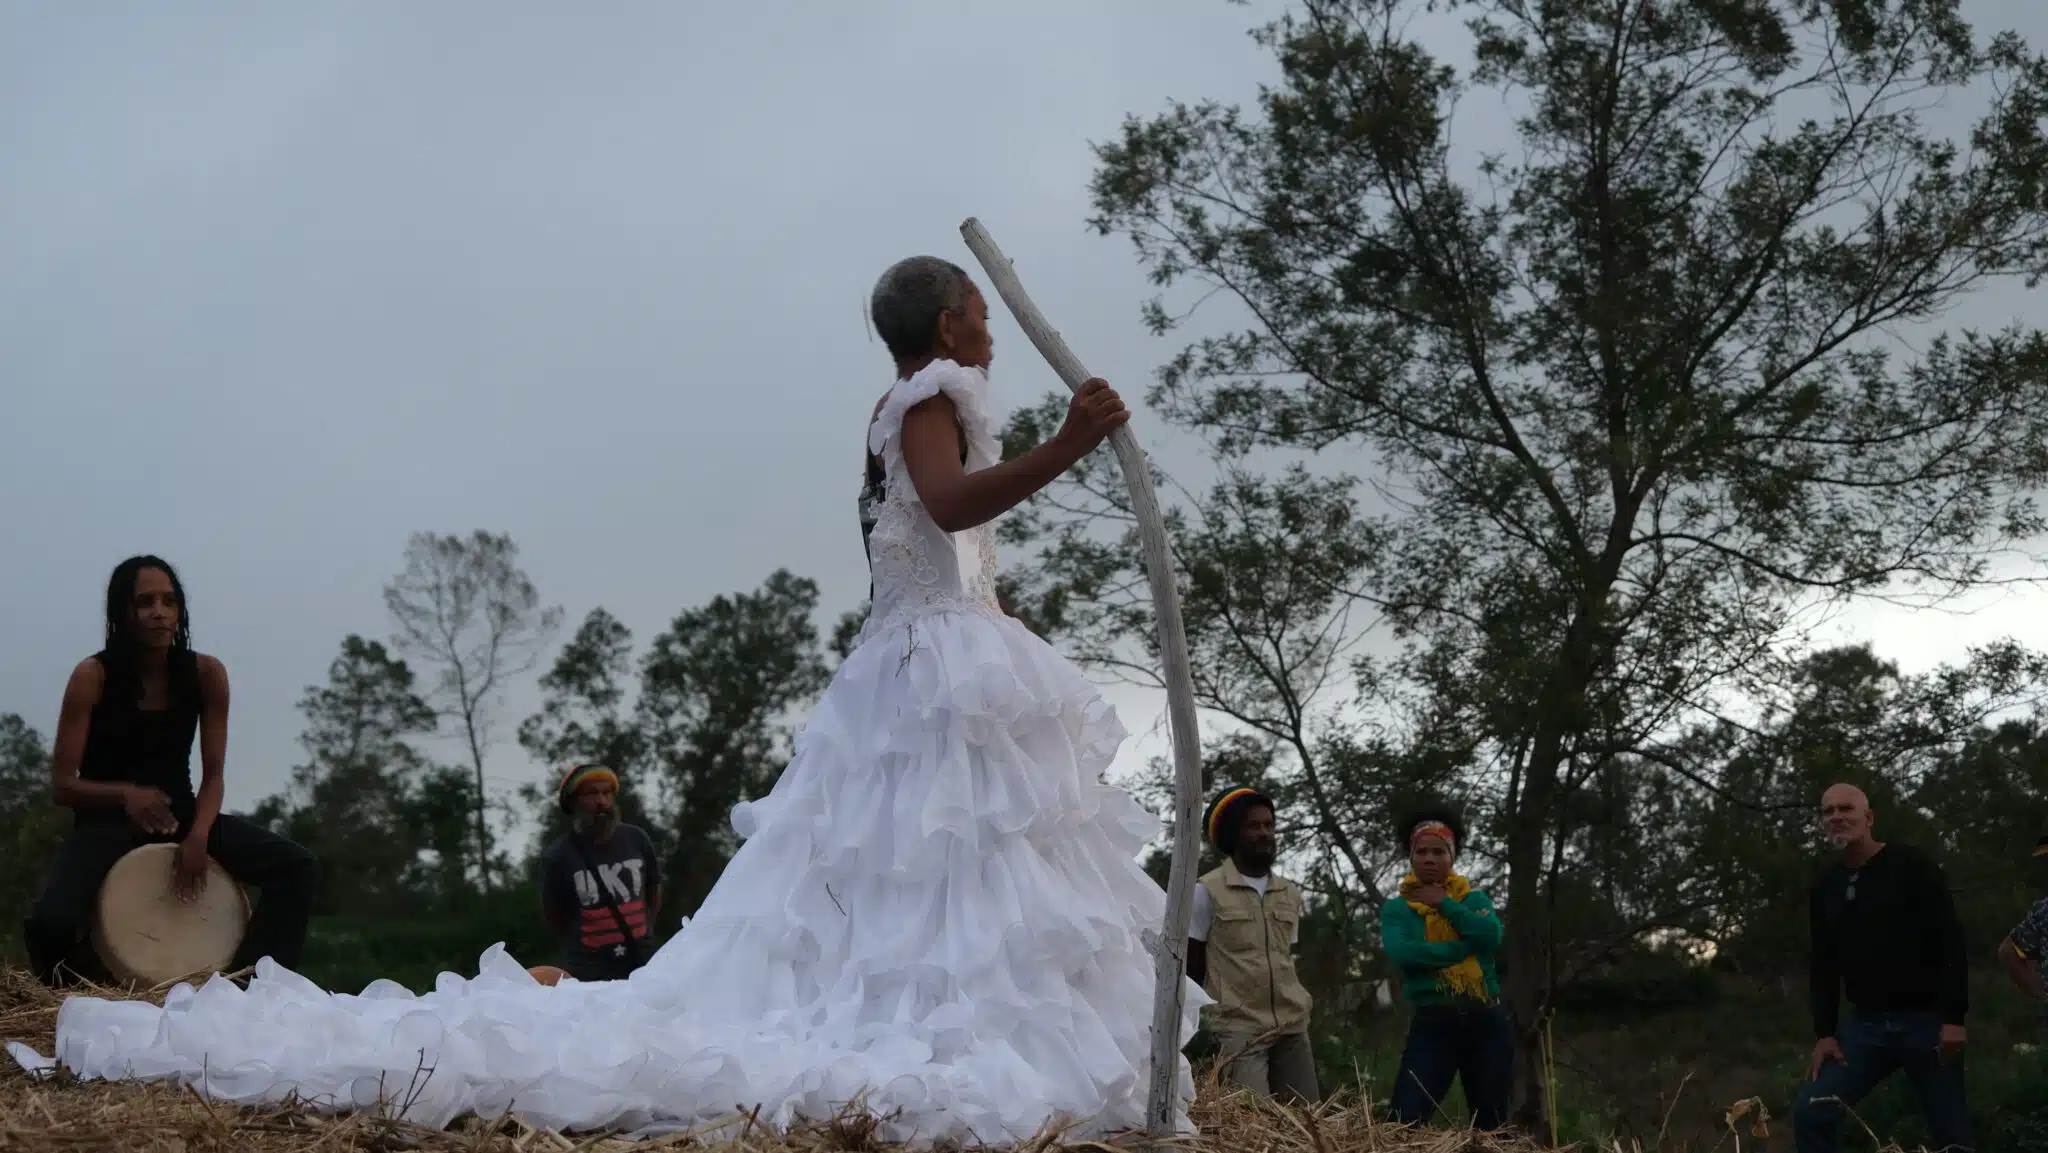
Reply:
x=2023, y=949
x=1887, y=939
x=1247, y=920
x=600, y=882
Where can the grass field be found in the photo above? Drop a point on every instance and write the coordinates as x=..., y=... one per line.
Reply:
x=1664, y=1075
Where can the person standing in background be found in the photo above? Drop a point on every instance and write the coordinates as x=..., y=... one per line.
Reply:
x=1247, y=920
x=1442, y=936
x=600, y=881
x=1886, y=934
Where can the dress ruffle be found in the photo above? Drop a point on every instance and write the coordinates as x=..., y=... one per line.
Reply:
x=968, y=388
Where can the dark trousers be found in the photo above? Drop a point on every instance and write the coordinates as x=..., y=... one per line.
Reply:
x=1474, y=1044
x=584, y=967
x=1878, y=1045
x=281, y=871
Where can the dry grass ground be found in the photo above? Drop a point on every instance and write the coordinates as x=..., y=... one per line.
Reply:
x=62, y=1114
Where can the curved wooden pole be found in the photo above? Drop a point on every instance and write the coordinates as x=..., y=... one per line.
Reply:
x=1169, y=947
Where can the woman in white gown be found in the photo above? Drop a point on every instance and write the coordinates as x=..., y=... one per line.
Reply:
x=937, y=911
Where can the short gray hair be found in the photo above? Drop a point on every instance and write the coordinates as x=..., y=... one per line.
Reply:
x=909, y=298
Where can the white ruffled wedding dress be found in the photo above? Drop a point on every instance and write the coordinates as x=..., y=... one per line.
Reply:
x=936, y=910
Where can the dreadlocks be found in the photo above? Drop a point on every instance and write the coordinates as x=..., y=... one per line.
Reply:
x=122, y=658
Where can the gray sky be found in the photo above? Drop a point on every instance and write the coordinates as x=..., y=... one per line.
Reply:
x=283, y=284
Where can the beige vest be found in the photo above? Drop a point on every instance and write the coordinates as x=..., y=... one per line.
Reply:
x=1251, y=966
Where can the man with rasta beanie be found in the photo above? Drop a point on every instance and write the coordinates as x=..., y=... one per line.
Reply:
x=1247, y=920
x=600, y=882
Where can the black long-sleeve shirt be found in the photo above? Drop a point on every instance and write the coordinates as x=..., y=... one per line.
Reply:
x=1887, y=934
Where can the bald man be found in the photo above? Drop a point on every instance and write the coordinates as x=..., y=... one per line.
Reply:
x=1885, y=932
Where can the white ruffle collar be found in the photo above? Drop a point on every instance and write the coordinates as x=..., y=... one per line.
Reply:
x=967, y=386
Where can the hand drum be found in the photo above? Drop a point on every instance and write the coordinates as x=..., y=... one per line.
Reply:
x=146, y=935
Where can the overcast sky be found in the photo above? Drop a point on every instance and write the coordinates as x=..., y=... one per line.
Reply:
x=283, y=284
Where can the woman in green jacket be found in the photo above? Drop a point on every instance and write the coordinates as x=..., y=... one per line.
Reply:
x=1442, y=936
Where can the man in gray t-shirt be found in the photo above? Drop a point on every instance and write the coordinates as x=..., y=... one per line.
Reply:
x=600, y=883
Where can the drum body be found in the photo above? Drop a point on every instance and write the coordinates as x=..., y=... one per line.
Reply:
x=146, y=935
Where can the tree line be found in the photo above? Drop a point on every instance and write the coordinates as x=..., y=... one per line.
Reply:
x=695, y=723
x=1661, y=872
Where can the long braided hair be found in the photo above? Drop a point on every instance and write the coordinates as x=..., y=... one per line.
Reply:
x=121, y=657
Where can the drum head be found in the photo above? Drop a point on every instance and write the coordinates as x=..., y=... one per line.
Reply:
x=145, y=934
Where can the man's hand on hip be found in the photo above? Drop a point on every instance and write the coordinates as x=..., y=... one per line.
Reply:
x=1953, y=1038
x=1825, y=1050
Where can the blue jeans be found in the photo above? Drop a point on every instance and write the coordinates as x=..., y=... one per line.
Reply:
x=1877, y=1045
x=1475, y=1044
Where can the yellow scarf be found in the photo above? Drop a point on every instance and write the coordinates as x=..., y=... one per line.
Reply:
x=1466, y=978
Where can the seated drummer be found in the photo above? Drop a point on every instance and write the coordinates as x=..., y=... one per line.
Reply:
x=122, y=765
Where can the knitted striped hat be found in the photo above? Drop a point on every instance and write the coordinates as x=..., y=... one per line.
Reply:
x=576, y=778
x=1226, y=813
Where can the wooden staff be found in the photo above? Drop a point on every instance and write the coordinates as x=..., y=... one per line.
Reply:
x=1170, y=950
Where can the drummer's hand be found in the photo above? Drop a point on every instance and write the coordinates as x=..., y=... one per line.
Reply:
x=150, y=809
x=188, y=868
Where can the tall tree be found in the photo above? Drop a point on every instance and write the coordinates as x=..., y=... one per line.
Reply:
x=353, y=802
x=465, y=609
x=1639, y=387
x=718, y=693
x=31, y=825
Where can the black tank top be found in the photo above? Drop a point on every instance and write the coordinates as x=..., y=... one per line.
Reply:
x=148, y=747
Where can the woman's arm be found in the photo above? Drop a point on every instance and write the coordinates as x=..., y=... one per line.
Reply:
x=74, y=720
x=1401, y=936
x=213, y=745
x=958, y=499
x=2020, y=971
x=1475, y=921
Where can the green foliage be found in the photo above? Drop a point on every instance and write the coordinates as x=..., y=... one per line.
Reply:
x=584, y=718
x=388, y=828
x=1663, y=1078
x=719, y=692
x=707, y=725
x=347, y=952
x=2009, y=1098
x=30, y=825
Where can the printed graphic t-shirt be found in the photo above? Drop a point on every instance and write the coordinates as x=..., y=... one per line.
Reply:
x=626, y=869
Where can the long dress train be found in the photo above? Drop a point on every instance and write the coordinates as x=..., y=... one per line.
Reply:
x=937, y=910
